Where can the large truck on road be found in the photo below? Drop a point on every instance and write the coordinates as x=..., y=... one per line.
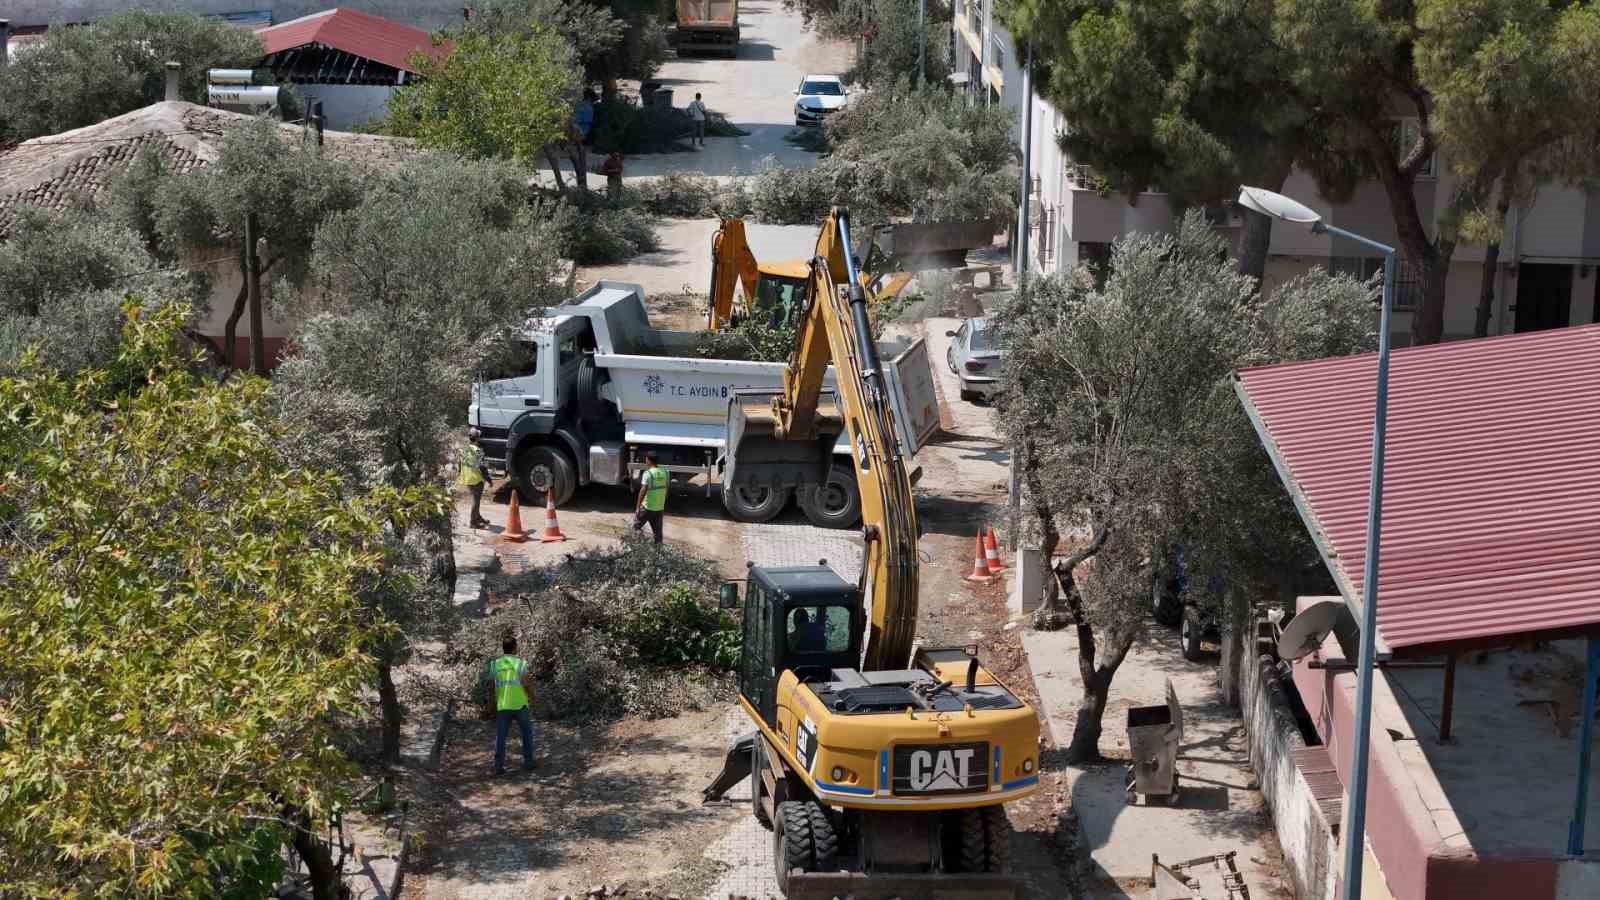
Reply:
x=708, y=25
x=593, y=386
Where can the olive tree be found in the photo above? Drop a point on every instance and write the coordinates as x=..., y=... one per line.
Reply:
x=63, y=277
x=262, y=180
x=408, y=293
x=113, y=65
x=182, y=627
x=1129, y=440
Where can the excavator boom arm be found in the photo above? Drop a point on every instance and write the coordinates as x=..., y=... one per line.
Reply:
x=835, y=328
x=732, y=264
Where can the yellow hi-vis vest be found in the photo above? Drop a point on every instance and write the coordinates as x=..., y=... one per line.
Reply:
x=471, y=465
x=508, y=692
x=655, y=495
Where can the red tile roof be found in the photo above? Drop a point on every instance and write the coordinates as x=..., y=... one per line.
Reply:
x=1491, y=500
x=354, y=32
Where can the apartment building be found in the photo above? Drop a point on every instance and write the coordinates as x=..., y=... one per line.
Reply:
x=1545, y=278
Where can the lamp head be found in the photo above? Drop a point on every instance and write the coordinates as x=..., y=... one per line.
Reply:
x=1277, y=206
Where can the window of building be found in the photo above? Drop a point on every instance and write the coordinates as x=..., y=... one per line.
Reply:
x=1095, y=255
x=1407, y=286
x=997, y=52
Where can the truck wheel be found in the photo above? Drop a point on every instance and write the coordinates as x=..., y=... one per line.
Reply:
x=1190, y=634
x=836, y=503
x=754, y=503
x=543, y=468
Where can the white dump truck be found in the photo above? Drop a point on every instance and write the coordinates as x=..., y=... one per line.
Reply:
x=594, y=386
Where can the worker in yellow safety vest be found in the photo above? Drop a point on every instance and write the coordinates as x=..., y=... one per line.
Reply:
x=652, y=502
x=473, y=475
x=512, y=681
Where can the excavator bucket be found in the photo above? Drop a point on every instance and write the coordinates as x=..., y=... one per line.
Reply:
x=758, y=457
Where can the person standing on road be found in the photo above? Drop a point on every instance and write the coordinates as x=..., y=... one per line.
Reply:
x=512, y=682
x=652, y=502
x=473, y=474
x=697, y=112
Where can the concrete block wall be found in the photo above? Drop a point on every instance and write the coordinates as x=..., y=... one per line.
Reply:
x=1310, y=849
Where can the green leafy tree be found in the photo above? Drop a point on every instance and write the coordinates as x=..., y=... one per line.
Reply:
x=182, y=628
x=410, y=293
x=85, y=74
x=1190, y=98
x=1117, y=401
x=624, y=39
x=1194, y=97
x=493, y=97
x=1515, y=106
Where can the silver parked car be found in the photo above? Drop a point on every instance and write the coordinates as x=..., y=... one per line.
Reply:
x=974, y=356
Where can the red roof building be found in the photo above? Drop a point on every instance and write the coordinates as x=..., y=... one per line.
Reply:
x=1491, y=499
x=352, y=32
x=349, y=60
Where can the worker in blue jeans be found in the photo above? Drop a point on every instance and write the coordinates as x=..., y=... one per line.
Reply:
x=512, y=681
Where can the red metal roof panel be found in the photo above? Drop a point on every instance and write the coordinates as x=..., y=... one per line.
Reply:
x=353, y=32
x=1491, y=497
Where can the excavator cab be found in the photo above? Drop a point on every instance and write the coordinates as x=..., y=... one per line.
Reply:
x=804, y=619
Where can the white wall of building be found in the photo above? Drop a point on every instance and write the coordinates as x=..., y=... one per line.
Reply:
x=346, y=106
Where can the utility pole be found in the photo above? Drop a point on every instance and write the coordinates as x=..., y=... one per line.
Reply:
x=258, y=346
x=922, y=41
x=1027, y=167
x=1015, y=492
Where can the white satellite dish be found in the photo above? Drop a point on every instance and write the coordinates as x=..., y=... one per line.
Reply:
x=1307, y=630
x=1277, y=206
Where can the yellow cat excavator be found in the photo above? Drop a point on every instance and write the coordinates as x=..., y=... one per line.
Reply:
x=880, y=773
x=775, y=288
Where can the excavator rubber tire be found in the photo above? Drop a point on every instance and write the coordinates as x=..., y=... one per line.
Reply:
x=824, y=841
x=791, y=841
x=998, y=830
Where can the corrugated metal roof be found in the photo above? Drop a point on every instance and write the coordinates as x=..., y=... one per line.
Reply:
x=1491, y=501
x=354, y=32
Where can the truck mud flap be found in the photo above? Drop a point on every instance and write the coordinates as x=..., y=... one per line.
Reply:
x=884, y=886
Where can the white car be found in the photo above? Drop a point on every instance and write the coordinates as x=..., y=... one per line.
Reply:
x=974, y=356
x=817, y=97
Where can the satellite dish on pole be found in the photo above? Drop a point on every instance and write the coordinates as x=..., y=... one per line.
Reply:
x=1307, y=630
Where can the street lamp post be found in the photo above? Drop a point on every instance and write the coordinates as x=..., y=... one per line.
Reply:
x=1355, y=812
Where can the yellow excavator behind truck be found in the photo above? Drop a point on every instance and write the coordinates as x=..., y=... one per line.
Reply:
x=771, y=288
x=880, y=773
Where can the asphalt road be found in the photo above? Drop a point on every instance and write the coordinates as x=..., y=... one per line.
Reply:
x=753, y=90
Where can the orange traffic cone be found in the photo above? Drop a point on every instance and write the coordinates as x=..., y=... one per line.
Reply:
x=980, y=568
x=513, y=530
x=991, y=553
x=552, y=528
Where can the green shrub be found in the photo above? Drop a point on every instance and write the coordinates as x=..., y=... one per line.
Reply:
x=596, y=231
x=679, y=195
x=790, y=195
x=754, y=339
x=610, y=632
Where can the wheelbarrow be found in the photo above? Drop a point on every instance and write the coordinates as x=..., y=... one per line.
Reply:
x=1154, y=735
